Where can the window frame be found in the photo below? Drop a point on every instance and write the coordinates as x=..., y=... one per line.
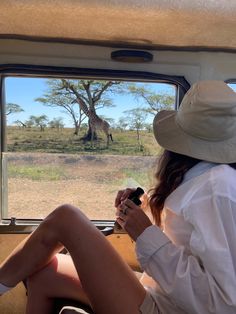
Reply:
x=17, y=225
x=231, y=81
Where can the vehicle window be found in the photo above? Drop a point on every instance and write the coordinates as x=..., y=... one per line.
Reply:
x=233, y=86
x=59, y=147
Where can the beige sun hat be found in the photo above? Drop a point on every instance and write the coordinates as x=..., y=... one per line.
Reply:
x=204, y=127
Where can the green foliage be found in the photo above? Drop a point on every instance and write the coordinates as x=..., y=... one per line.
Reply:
x=56, y=123
x=13, y=108
x=136, y=118
x=38, y=121
x=68, y=95
x=155, y=102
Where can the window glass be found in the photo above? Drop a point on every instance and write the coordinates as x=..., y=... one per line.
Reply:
x=233, y=86
x=79, y=142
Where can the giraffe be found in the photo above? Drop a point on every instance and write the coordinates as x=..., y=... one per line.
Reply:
x=96, y=123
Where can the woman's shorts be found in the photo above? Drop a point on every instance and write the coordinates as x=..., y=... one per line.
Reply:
x=149, y=306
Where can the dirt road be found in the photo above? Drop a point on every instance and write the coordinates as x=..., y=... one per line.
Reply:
x=90, y=182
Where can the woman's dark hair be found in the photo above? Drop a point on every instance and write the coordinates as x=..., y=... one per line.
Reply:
x=169, y=175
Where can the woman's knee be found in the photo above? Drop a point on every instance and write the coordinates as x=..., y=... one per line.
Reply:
x=62, y=216
x=55, y=225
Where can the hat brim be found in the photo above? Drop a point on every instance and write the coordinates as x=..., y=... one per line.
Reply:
x=172, y=137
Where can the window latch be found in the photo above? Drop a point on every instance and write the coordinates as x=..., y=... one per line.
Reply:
x=13, y=221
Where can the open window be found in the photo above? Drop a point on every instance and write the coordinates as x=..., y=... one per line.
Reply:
x=51, y=155
x=232, y=84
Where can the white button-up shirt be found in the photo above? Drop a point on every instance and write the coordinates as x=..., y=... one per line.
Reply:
x=193, y=262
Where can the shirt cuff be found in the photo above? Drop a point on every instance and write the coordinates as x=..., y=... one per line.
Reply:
x=148, y=243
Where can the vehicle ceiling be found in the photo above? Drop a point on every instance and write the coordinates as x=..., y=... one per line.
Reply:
x=150, y=24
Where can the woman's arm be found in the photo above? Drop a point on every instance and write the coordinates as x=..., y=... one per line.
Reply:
x=205, y=280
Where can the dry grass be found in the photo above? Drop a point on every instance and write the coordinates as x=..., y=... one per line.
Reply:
x=89, y=182
x=49, y=168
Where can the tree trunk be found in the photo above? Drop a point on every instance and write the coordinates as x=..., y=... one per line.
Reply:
x=76, y=131
x=88, y=136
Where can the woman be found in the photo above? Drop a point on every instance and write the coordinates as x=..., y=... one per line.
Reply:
x=188, y=268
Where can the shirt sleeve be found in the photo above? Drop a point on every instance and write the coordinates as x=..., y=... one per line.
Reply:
x=203, y=280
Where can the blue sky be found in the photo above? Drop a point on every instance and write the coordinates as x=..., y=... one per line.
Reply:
x=23, y=91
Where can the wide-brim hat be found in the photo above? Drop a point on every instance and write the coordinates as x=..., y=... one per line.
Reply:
x=204, y=127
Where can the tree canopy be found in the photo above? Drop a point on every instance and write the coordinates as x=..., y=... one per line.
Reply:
x=13, y=108
x=66, y=93
x=155, y=101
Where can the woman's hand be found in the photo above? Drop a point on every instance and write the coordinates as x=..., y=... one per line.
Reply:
x=131, y=217
x=122, y=195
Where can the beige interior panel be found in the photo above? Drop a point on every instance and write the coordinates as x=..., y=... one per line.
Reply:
x=181, y=23
x=14, y=301
x=193, y=66
x=125, y=246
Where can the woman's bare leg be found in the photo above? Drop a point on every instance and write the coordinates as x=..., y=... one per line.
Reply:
x=108, y=282
x=59, y=279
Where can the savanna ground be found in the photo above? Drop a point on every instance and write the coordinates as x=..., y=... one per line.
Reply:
x=49, y=168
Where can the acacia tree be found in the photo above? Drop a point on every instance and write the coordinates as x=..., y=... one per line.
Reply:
x=136, y=118
x=156, y=102
x=38, y=121
x=67, y=93
x=122, y=123
x=56, y=123
x=20, y=123
x=13, y=108
x=29, y=123
x=56, y=97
